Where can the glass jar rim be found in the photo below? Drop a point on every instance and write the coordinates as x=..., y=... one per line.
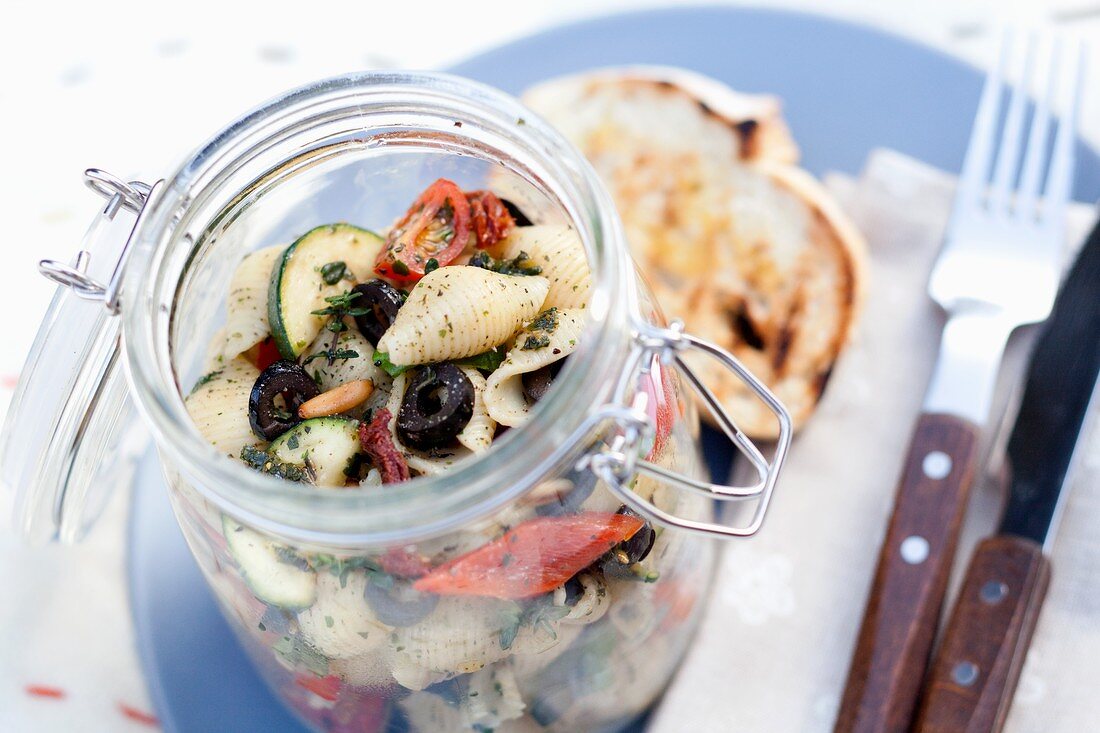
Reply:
x=430, y=505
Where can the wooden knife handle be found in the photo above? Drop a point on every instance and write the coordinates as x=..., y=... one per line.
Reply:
x=903, y=609
x=978, y=664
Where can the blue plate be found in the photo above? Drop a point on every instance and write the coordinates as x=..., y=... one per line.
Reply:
x=846, y=90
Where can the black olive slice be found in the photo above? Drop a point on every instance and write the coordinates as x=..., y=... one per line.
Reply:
x=269, y=420
x=519, y=216
x=396, y=603
x=537, y=383
x=382, y=302
x=638, y=546
x=584, y=481
x=438, y=403
x=574, y=589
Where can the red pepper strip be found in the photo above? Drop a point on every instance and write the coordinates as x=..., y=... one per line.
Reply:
x=404, y=564
x=661, y=406
x=267, y=353
x=533, y=558
x=377, y=442
x=326, y=688
x=489, y=217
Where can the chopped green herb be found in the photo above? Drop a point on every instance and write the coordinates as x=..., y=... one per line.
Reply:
x=262, y=461
x=295, y=651
x=430, y=266
x=535, y=342
x=540, y=613
x=334, y=272
x=545, y=321
x=206, y=379
x=487, y=361
x=382, y=361
x=521, y=264
x=400, y=268
x=332, y=355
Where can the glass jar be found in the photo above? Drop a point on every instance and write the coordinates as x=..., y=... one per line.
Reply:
x=318, y=583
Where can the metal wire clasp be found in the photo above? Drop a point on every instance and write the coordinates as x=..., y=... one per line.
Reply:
x=120, y=195
x=620, y=459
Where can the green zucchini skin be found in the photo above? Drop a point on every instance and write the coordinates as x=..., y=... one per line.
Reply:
x=268, y=574
x=297, y=288
x=331, y=443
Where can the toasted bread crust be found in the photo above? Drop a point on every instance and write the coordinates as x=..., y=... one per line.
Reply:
x=749, y=250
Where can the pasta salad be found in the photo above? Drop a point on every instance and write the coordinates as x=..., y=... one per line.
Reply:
x=355, y=359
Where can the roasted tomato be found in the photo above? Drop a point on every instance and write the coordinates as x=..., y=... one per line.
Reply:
x=490, y=218
x=533, y=558
x=435, y=228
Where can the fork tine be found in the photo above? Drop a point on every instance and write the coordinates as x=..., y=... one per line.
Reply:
x=1060, y=178
x=979, y=151
x=1036, y=156
x=1008, y=155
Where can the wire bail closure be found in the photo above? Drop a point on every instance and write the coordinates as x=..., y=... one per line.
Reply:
x=131, y=196
x=619, y=460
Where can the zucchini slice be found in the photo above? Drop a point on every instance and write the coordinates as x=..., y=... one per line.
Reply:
x=298, y=286
x=324, y=446
x=271, y=574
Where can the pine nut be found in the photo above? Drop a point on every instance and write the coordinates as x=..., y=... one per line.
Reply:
x=337, y=400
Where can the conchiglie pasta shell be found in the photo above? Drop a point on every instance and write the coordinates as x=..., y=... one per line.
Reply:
x=340, y=624
x=477, y=436
x=342, y=371
x=461, y=311
x=462, y=635
x=220, y=407
x=246, y=321
x=558, y=250
x=504, y=393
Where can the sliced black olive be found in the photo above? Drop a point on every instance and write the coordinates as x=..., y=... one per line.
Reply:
x=574, y=589
x=519, y=216
x=382, y=301
x=638, y=546
x=438, y=403
x=396, y=602
x=537, y=383
x=269, y=420
x=584, y=481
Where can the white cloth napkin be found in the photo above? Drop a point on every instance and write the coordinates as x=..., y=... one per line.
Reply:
x=774, y=648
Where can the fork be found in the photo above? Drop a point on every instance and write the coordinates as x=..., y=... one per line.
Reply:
x=998, y=269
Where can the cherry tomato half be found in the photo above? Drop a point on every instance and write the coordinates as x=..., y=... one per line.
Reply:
x=436, y=227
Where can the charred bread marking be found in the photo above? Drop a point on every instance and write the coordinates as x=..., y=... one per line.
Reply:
x=751, y=252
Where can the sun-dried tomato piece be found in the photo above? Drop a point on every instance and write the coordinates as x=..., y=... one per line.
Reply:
x=490, y=218
x=377, y=443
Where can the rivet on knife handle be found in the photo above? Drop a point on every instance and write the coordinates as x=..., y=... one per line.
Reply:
x=911, y=578
x=978, y=664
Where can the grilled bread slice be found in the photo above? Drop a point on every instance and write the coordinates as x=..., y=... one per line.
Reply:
x=750, y=251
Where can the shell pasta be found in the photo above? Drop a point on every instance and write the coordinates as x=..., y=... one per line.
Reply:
x=351, y=362
x=246, y=321
x=457, y=312
x=559, y=252
x=538, y=347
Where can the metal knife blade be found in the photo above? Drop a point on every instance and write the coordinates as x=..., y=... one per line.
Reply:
x=1061, y=378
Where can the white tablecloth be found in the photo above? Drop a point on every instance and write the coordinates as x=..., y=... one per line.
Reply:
x=123, y=86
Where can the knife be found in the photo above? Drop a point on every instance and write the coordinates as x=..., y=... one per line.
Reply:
x=998, y=269
x=975, y=672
